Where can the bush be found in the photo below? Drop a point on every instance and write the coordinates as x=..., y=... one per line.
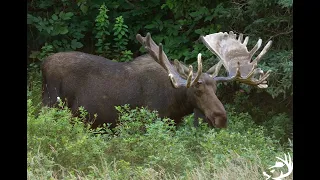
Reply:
x=279, y=127
x=63, y=138
x=60, y=145
x=145, y=139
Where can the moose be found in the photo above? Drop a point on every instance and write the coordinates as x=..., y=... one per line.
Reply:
x=151, y=80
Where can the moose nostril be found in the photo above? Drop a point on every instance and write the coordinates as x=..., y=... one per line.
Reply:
x=220, y=120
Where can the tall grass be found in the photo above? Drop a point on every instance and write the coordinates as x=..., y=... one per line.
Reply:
x=144, y=146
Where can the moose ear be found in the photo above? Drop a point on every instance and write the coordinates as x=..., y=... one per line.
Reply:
x=182, y=69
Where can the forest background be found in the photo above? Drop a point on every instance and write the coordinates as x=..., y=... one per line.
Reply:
x=108, y=28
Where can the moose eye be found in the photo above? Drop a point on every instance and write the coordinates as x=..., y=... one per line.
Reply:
x=198, y=84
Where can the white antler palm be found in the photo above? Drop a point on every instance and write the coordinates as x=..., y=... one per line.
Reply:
x=236, y=58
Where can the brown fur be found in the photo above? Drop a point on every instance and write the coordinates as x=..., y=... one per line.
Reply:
x=99, y=84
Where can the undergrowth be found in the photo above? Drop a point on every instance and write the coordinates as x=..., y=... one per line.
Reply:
x=144, y=146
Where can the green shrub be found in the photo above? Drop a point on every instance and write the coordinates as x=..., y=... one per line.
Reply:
x=39, y=166
x=60, y=145
x=279, y=127
x=34, y=89
x=119, y=38
x=102, y=31
x=66, y=139
x=145, y=139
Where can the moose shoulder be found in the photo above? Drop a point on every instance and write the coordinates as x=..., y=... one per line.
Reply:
x=150, y=80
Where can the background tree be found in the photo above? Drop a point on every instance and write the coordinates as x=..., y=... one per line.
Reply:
x=108, y=28
x=142, y=146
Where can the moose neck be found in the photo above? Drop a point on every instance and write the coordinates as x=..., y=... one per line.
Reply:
x=182, y=105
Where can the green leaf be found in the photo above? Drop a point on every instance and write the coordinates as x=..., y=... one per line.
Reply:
x=149, y=26
x=261, y=20
x=163, y=6
x=56, y=42
x=116, y=33
x=48, y=30
x=31, y=19
x=66, y=16
x=34, y=54
x=161, y=26
x=61, y=14
x=195, y=14
x=64, y=30
x=285, y=3
x=54, y=17
x=64, y=41
x=75, y=44
x=84, y=8
x=208, y=18
x=199, y=31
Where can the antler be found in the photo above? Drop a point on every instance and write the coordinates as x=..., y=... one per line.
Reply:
x=236, y=58
x=157, y=53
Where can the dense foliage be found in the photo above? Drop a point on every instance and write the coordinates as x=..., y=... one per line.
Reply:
x=108, y=28
x=143, y=145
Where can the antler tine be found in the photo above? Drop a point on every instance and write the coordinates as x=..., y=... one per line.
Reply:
x=261, y=83
x=264, y=50
x=245, y=42
x=232, y=35
x=264, y=77
x=190, y=76
x=182, y=70
x=237, y=76
x=256, y=83
x=156, y=52
x=262, y=86
x=199, y=72
x=148, y=37
x=159, y=55
x=240, y=37
x=214, y=70
x=255, y=48
x=148, y=44
x=253, y=72
x=140, y=38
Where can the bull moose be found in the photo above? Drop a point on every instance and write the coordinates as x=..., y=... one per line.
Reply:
x=151, y=80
